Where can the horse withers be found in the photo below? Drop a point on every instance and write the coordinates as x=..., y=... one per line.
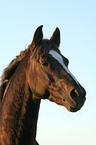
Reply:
x=39, y=72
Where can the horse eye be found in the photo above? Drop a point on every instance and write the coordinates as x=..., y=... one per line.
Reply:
x=43, y=62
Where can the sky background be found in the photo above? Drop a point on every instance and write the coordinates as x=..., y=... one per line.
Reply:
x=76, y=20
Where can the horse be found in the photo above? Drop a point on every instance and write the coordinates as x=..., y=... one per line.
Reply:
x=39, y=72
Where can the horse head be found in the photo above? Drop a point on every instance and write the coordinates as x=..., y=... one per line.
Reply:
x=48, y=73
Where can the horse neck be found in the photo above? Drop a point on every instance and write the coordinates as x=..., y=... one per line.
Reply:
x=18, y=111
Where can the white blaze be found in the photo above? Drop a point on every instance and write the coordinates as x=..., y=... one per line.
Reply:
x=59, y=58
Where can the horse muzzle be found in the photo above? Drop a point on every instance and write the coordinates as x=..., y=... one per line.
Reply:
x=78, y=95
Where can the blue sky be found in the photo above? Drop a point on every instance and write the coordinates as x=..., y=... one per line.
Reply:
x=77, y=23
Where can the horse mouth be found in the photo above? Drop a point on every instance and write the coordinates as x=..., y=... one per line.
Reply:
x=78, y=106
x=75, y=109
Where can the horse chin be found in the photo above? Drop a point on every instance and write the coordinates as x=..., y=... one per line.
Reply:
x=73, y=109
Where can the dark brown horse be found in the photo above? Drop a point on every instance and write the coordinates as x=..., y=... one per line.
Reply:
x=40, y=72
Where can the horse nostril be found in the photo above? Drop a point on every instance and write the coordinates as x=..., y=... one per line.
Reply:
x=74, y=93
x=63, y=99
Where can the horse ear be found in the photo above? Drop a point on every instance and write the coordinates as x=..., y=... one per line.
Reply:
x=38, y=35
x=56, y=37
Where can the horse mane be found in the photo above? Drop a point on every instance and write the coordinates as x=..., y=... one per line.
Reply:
x=8, y=72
